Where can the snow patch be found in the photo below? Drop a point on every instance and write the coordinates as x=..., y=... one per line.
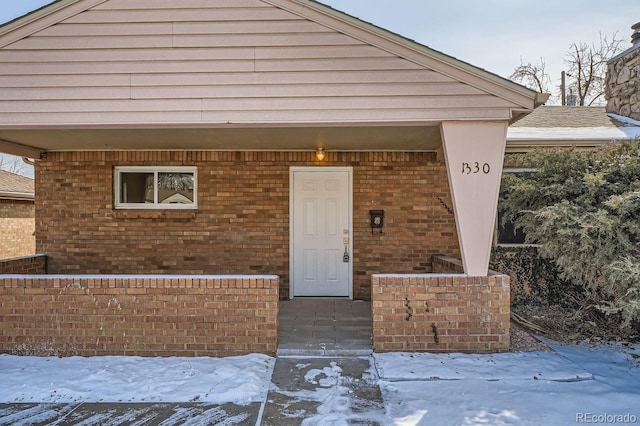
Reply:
x=240, y=380
x=401, y=366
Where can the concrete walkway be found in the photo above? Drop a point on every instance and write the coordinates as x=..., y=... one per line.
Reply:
x=323, y=369
x=315, y=390
x=324, y=390
x=325, y=327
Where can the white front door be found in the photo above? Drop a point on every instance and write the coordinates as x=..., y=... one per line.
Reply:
x=321, y=232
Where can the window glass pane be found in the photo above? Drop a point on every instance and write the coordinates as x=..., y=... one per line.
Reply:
x=507, y=234
x=136, y=187
x=175, y=188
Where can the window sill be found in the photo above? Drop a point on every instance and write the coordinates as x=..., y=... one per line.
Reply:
x=155, y=214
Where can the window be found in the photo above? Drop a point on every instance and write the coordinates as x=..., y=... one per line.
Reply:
x=506, y=232
x=162, y=187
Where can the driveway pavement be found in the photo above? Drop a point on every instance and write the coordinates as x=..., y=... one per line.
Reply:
x=301, y=388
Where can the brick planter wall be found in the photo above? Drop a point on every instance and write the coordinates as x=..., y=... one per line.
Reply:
x=36, y=264
x=440, y=312
x=138, y=315
x=449, y=265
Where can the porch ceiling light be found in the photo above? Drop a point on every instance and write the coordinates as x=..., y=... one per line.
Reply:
x=320, y=154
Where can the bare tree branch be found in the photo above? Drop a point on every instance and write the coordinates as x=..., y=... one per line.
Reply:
x=12, y=164
x=587, y=66
x=533, y=76
x=586, y=69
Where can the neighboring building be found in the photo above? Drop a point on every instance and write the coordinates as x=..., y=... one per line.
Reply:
x=623, y=80
x=17, y=223
x=569, y=127
x=256, y=137
x=580, y=127
x=560, y=127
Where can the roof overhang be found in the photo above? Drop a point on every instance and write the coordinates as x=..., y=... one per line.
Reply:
x=18, y=196
x=524, y=139
x=408, y=137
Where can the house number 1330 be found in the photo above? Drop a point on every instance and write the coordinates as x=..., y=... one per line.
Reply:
x=469, y=168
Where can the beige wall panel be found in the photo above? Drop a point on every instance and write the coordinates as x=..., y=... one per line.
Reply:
x=248, y=27
x=184, y=28
x=364, y=103
x=354, y=116
x=148, y=105
x=30, y=93
x=341, y=64
x=125, y=67
x=96, y=55
x=224, y=118
x=111, y=42
x=124, y=54
x=100, y=118
x=355, y=77
x=370, y=103
x=173, y=4
x=62, y=30
x=180, y=15
x=177, y=83
x=320, y=52
x=96, y=80
x=210, y=62
x=474, y=153
x=242, y=40
x=301, y=90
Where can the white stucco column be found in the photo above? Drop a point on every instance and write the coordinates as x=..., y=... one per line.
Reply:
x=474, y=154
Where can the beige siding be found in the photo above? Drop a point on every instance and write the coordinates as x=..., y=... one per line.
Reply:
x=216, y=61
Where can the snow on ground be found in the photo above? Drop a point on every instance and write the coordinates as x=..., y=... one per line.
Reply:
x=240, y=380
x=568, y=385
x=514, y=389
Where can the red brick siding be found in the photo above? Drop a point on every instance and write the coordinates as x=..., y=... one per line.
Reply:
x=449, y=265
x=143, y=316
x=27, y=265
x=17, y=226
x=440, y=313
x=242, y=222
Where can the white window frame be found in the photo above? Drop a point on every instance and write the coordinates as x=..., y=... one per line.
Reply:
x=119, y=170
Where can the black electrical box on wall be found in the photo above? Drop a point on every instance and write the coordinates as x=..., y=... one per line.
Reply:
x=377, y=219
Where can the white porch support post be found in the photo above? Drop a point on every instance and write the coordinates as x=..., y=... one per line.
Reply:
x=474, y=153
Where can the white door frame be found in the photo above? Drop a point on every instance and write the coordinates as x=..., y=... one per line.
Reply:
x=295, y=169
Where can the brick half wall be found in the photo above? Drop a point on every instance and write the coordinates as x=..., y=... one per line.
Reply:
x=36, y=264
x=138, y=315
x=440, y=312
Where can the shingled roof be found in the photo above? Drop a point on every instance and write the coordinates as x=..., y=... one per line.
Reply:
x=568, y=116
x=583, y=127
x=16, y=187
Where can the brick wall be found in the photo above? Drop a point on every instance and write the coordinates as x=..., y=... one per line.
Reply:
x=36, y=264
x=17, y=226
x=440, y=313
x=144, y=316
x=448, y=265
x=242, y=222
